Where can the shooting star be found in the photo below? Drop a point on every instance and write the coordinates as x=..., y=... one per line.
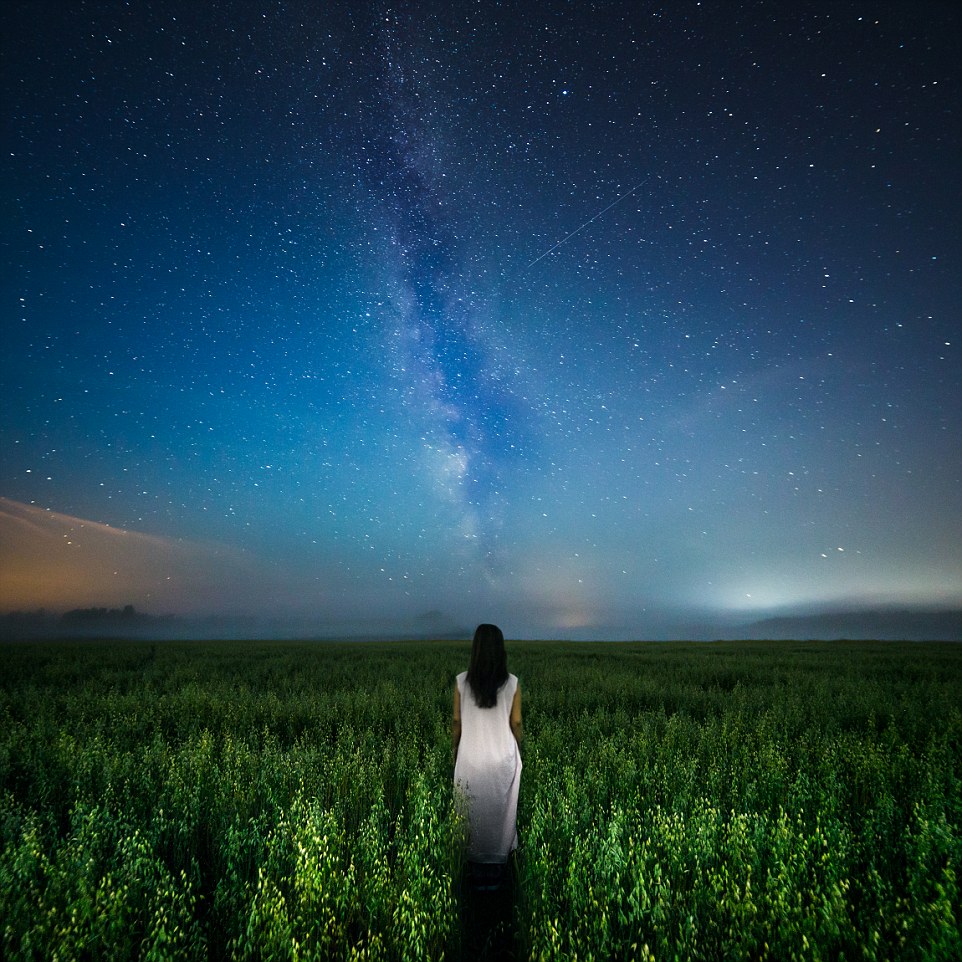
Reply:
x=577, y=230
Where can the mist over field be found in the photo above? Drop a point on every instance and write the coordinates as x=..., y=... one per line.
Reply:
x=883, y=624
x=67, y=577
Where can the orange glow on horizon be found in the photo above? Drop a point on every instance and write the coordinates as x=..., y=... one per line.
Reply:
x=56, y=561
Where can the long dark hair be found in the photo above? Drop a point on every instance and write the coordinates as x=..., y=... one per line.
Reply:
x=488, y=670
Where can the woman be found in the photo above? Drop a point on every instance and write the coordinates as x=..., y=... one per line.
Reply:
x=486, y=734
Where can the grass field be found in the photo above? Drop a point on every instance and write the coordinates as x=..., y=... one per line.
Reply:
x=293, y=801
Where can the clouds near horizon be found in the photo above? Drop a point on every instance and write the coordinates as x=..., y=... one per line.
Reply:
x=57, y=561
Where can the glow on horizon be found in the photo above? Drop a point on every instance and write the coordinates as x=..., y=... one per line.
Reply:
x=57, y=561
x=935, y=589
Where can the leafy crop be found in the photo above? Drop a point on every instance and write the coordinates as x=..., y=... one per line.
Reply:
x=293, y=801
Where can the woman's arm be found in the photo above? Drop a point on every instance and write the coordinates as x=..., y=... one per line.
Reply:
x=516, y=715
x=456, y=723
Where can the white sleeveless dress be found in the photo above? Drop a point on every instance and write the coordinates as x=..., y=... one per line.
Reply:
x=488, y=773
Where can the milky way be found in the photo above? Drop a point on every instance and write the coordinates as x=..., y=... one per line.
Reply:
x=594, y=320
x=435, y=321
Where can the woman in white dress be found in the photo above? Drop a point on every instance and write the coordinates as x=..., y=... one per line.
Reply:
x=486, y=735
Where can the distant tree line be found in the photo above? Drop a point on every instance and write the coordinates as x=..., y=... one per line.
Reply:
x=78, y=622
x=83, y=616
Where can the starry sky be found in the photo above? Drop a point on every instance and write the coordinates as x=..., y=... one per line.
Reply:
x=589, y=319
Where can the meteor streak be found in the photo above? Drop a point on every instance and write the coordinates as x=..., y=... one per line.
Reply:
x=577, y=230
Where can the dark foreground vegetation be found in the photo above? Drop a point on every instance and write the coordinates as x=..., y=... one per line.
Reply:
x=279, y=801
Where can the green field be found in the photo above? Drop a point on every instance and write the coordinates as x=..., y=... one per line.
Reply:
x=293, y=801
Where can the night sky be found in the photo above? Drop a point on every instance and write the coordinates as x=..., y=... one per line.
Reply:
x=588, y=319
